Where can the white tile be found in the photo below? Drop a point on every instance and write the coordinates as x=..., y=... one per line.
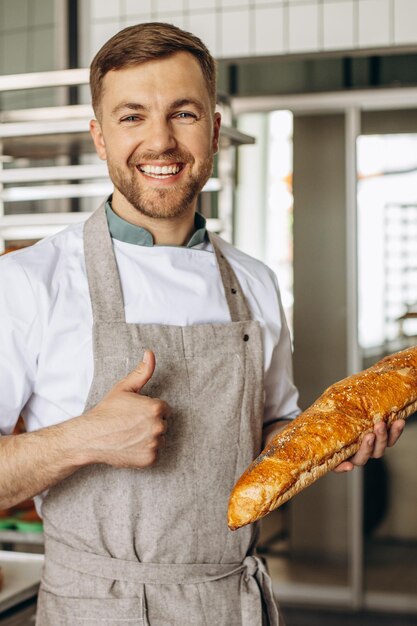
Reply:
x=15, y=57
x=374, y=23
x=338, y=32
x=303, y=28
x=100, y=33
x=168, y=6
x=235, y=34
x=103, y=9
x=138, y=7
x=201, y=4
x=42, y=53
x=135, y=19
x=226, y=4
x=405, y=22
x=269, y=31
x=179, y=20
x=204, y=26
x=43, y=12
x=15, y=14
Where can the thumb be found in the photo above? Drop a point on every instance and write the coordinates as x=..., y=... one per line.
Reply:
x=140, y=375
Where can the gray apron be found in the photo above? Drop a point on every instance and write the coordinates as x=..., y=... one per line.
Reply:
x=151, y=547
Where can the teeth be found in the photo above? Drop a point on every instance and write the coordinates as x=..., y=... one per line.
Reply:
x=160, y=170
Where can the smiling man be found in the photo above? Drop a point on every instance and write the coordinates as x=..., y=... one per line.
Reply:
x=149, y=359
x=157, y=130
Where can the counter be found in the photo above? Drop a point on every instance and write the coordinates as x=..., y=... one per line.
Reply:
x=22, y=575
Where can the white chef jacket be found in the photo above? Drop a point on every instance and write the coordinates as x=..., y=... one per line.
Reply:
x=46, y=357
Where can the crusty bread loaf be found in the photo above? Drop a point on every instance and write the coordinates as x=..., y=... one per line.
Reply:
x=327, y=433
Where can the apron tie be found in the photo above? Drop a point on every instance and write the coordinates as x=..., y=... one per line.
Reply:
x=255, y=583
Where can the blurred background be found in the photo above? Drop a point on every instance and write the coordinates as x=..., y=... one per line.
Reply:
x=317, y=177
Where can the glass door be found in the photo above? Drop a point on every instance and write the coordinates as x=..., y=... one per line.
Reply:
x=387, y=288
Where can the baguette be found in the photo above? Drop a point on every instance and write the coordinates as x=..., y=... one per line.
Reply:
x=328, y=432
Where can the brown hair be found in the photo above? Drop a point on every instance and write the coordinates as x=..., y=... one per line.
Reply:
x=144, y=42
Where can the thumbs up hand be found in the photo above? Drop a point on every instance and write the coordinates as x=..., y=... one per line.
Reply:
x=126, y=429
x=137, y=379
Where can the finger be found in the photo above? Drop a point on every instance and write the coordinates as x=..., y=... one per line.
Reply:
x=381, y=440
x=365, y=451
x=138, y=378
x=395, y=431
x=345, y=466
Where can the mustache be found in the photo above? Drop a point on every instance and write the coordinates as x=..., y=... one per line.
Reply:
x=169, y=156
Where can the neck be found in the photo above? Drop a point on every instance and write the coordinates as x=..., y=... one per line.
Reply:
x=166, y=231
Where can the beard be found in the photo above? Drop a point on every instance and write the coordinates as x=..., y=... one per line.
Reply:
x=157, y=202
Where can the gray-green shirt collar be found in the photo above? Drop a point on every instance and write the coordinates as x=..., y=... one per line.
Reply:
x=129, y=233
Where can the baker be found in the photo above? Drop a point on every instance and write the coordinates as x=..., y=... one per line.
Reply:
x=149, y=359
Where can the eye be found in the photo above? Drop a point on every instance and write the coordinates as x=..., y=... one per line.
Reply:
x=186, y=116
x=130, y=118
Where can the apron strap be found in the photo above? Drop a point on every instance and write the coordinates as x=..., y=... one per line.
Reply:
x=255, y=584
x=236, y=301
x=104, y=279
x=102, y=273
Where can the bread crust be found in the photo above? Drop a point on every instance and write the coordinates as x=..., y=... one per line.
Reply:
x=327, y=433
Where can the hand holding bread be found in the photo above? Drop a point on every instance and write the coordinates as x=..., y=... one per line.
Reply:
x=326, y=434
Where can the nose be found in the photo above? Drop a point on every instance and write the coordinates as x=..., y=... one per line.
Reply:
x=160, y=136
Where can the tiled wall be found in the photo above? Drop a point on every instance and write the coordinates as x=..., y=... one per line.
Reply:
x=27, y=36
x=242, y=28
x=231, y=28
x=30, y=41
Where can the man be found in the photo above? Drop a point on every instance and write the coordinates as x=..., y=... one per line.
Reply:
x=133, y=460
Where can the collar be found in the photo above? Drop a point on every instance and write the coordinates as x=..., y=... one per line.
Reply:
x=130, y=233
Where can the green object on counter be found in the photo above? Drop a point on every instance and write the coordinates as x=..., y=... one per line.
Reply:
x=7, y=523
x=14, y=523
x=29, y=527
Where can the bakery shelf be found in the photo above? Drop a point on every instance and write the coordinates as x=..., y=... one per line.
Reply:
x=46, y=174
x=37, y=80
x=19, y=537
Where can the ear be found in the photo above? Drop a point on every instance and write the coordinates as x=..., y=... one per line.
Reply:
x=97, y=135
x=216, y=131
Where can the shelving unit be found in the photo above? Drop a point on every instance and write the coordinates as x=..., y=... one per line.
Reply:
x=400, y=272
x=14, y=537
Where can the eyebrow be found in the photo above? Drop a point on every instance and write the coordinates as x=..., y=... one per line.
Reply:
x=132, y=106
x=181, y=102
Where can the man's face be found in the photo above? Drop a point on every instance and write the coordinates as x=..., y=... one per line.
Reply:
x=158, y=134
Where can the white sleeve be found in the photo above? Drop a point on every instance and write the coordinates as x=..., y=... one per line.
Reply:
x=20, y=339
x=281, y=395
